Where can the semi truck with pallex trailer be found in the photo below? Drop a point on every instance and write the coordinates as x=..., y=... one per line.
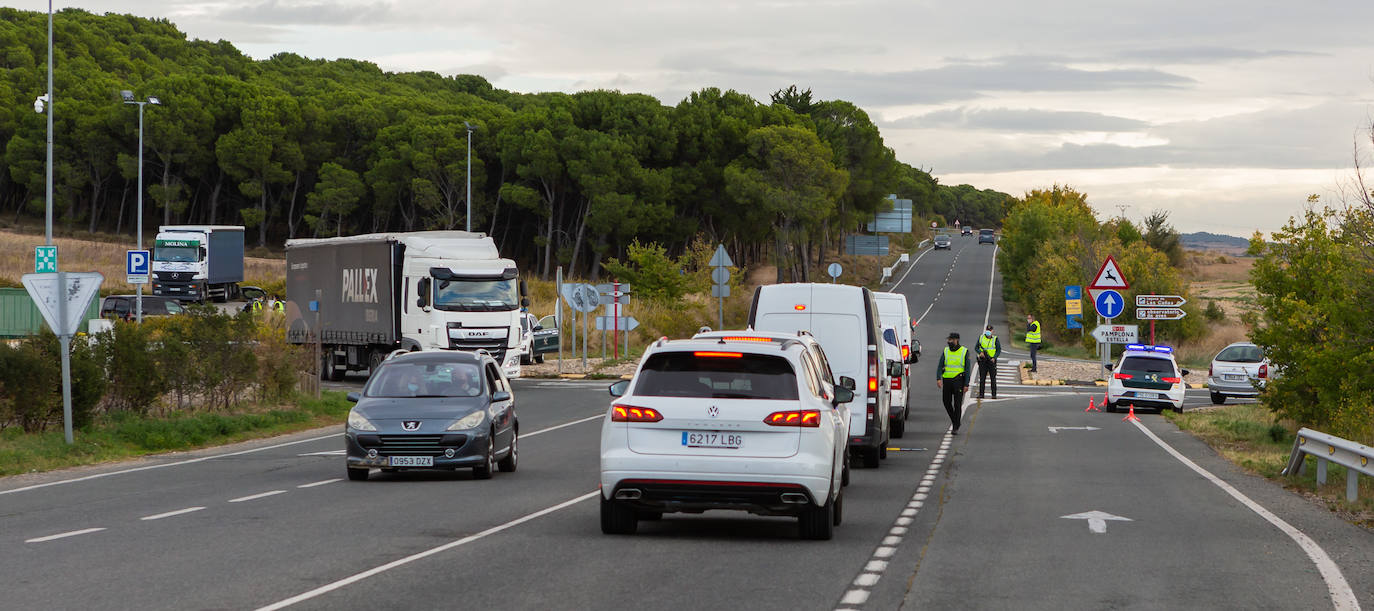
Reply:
x=359, y=298
x=198, y=262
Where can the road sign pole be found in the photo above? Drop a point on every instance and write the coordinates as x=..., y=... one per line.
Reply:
x=615, y=324
x=558, y=314
x=584, y=340
x=1152, y=333
x=65, y=340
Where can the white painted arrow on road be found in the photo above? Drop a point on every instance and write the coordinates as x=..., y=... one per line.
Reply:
x=1056, y=429
x=1097, y=520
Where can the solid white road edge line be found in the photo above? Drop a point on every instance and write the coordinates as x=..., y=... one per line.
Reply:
x=259, y=495
x=159, y=466
x=63, y=535
x=425, y=554
x=908, y=270
x=1342, y=597
x=565, y=424
x=159, y=516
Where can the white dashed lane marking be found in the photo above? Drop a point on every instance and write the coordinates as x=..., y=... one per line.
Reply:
x=63, y=535
x=159, y=516
x=259, y=495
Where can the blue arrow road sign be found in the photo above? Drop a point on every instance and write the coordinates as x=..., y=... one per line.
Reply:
x=136, y=262
x=1109, y=304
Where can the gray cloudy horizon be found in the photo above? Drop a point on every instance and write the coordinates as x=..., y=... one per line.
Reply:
x=1227, y=114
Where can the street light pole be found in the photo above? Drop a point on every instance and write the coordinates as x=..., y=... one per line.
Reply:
x=48, y=233
x=129, y=99
x=470, y=128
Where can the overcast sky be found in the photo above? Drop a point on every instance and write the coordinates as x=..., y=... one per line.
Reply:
x=1225, y=113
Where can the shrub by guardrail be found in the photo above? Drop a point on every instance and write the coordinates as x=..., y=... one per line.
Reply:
x=201, y=360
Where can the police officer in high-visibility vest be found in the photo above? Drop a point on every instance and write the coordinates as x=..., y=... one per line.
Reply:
x=989, y=346
x=951, y=376
x=1032, y=338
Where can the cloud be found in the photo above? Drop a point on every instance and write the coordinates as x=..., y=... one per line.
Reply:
x=308, y=12
x=1203, y=54
x=1018, y=120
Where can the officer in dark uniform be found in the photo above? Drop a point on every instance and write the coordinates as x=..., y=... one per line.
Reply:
x=951, y=377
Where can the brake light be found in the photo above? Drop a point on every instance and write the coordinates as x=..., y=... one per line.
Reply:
x=799, y=307
x=1209, y=371
x=746, y=339
x=906, y=352
x=872, y=372
x=1172, y=380
x=630, y=413
x=1123, y=376
x=1263, y=370
x=718, y=355
x=806, y=418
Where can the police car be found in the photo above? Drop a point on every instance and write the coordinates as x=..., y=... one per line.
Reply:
x=1146, y=377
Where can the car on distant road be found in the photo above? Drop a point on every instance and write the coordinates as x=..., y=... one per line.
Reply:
x=1146, y=377
x=942, y=241
x=745, y=422
x=967, y=230
x=433, y=410
x=987, y=236
x=124, y=307
x=1239, y=370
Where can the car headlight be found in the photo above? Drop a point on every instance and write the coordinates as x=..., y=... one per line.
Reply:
x=357, y=422
x=470, y=421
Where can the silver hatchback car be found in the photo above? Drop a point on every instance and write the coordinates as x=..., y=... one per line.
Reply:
x=1239, y=370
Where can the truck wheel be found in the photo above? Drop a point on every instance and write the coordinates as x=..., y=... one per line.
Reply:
x=898, y=428
x=374, y=360
x=337, y=374
x=539, y=358
x=870, y=457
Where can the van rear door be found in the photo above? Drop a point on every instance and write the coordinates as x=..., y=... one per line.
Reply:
x=842, y=337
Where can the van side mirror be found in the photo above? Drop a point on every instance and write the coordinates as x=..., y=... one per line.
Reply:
x=422, y=292
x=499, y=396
x=618, y=389
x=847, y=383
x=1186, y=372
x=1108, y=366
x=843, y=395
x=524, y=290
x=525, y=302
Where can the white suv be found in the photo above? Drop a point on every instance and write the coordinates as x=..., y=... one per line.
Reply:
x=1146, y=377
x=742, y=421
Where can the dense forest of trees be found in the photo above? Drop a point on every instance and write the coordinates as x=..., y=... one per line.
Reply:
x=295, y=147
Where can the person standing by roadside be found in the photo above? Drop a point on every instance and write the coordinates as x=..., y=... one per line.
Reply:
x=951, y=377
x=989, y=346
x=1032, y=338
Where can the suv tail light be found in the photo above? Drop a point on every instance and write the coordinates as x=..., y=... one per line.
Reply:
x=630, y=413
x=1210, y=373
x=804, y=417
x=1123, y=376
x=1263, y=370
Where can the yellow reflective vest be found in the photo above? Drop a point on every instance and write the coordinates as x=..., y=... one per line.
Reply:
x=989, y=345
x=1033, y=337
x=954, y=361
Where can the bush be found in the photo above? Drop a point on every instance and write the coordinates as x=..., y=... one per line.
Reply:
x=1214, y=312
x=135, y=379
x=651, y=272
x=31, y=383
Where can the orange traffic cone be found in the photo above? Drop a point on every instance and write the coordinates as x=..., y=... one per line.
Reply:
x=1104, y=398
x=1091, y=406
x=1131, y=416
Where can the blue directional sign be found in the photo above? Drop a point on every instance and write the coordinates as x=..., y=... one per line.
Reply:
x=136, y=266
x=1109, y=304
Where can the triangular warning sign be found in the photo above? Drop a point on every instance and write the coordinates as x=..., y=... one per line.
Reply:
x=1109, y=276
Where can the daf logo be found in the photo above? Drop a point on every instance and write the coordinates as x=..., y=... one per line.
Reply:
x=713, y=411
x=410, y=425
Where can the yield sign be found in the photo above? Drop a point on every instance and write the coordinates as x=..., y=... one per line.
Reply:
x=80, y=288
x=1109, y=277
x=721, y=258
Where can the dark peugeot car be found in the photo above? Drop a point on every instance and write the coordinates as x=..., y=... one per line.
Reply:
x=433, y=410
x=124, y=307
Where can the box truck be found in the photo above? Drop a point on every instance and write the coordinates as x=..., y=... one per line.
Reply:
x=359, y=298
x=198, y=262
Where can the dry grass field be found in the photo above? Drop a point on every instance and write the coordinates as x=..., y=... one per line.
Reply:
x=16, y=259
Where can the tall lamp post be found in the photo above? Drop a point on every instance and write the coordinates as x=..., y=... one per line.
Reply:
x=470, y=127
x=129, y=99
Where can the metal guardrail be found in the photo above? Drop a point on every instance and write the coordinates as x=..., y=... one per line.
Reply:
x=1330, y=448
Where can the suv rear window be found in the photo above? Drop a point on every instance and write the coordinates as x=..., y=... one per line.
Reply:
x=746, y=376
x=1241, y=354
x=985, y=232
x=1147, y=372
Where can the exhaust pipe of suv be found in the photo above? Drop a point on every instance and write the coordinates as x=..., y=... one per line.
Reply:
x=628, y=494
x=795, y=498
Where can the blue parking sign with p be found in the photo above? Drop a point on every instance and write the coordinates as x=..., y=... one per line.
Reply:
x=137, y=262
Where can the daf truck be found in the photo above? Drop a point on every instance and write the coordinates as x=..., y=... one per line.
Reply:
x=198, y=262
x=359, y=298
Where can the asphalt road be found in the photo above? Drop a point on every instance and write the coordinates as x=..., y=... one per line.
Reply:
x=969, y=521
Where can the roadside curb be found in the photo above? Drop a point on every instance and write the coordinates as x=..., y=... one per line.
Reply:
x=572, y=376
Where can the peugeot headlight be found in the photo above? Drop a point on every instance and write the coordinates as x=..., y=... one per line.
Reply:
x=357, y=422
x=470, y=421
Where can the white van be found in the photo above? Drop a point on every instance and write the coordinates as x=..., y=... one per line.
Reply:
x=844, y=319
x=893, y=312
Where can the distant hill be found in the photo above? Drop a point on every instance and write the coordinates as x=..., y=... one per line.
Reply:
x=1203, y=240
